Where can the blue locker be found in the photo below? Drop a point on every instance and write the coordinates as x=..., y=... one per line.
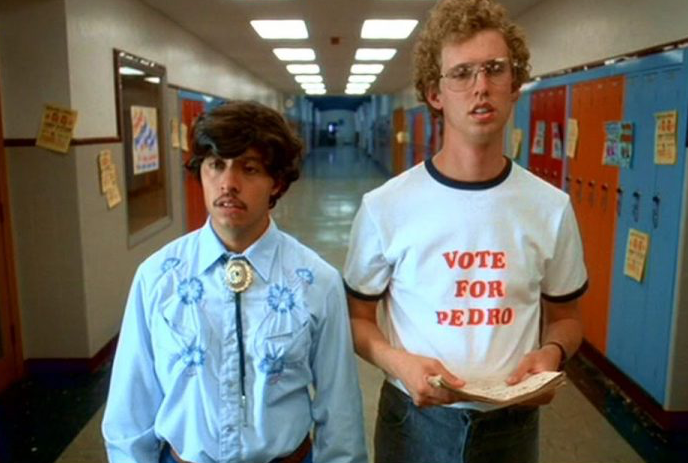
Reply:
x=650, y=201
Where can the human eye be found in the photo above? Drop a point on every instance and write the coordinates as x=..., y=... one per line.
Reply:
x=216, y=163
x=495, y=68
x=462, y=72
x=253, y=167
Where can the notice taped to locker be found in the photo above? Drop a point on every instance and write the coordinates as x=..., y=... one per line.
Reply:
x=665, y=137
x=637, y=248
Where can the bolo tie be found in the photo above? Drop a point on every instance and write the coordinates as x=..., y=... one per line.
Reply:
x=238, y=277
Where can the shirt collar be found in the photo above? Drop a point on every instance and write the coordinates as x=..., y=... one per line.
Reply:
x=261, y=254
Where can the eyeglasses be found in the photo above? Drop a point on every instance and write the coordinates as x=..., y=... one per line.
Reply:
x=463, y=76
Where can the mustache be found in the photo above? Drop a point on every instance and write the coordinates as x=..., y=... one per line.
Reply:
x=230, y=199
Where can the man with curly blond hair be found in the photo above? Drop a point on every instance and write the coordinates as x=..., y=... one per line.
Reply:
x=476, y=264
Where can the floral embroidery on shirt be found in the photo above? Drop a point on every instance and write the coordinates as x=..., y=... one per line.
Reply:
x=306, y=275
x=190, y=290
x=193, y=356
x=169, y=264
x=273, y=366
x=281, y=299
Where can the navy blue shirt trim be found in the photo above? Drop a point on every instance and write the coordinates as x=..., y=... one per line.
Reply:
x=462, y=185
x=567, y=297
x=363, y=297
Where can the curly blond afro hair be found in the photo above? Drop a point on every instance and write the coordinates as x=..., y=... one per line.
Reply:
x=458, y=20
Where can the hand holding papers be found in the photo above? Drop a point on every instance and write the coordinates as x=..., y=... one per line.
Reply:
x=496, y=391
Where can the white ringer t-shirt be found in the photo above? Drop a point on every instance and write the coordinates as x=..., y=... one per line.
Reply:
x=460, y=267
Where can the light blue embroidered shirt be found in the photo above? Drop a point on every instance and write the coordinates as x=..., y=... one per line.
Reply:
x=176, y=373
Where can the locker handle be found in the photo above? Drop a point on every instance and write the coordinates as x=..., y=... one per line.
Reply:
x=605, y=196
x=567, y=184
x=619, y=196
x=635, y=210
x=591, y=196
x=579, y=194
x=655, y=211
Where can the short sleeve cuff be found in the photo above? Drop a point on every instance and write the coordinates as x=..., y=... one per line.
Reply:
x=363, y=297
x=567, y=297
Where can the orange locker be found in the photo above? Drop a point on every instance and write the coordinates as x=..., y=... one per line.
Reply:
x=593, y=190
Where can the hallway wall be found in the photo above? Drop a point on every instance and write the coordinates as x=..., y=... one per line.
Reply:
x=74, y=263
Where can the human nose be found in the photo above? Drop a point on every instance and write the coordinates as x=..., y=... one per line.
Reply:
x=480, y=80
x=230, y=180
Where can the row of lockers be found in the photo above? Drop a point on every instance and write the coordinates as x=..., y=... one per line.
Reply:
x=638, y=325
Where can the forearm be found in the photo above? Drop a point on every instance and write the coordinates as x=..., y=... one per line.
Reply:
x=563, y=326
x=371, y=345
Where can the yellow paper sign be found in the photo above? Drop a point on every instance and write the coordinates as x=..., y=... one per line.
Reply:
x=571, y=138
x=516, y=139
x=184, y=136
x=175, y=132
x=108, y=179
x=57, y=127
x=636, y=254
x=665, y=137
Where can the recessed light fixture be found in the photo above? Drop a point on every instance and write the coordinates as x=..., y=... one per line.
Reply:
x=362, y=78
x=316, y=92
x=152, y=79
x=308, y=79
x=354, y=91
x=294, y=54
x=387, y=28
x=280, y=28
x=359, y=86
x=127, y=71
x=303, y=68
x=312, y=86
x=375, y=54
x=367, y=68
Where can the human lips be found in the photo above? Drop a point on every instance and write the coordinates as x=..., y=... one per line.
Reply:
x=230, y=203
x=481, y=109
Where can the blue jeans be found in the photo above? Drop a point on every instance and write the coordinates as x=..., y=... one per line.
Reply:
x=405, y=433
x=166, y=456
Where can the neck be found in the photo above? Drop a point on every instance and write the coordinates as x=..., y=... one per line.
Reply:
x=470, y=162
x=238, y=240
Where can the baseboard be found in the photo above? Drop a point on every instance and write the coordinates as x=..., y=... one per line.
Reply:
x=667, y=420
x=60, y=366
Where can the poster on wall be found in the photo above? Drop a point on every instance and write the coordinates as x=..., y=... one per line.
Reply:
x=539, y=138
x=618, y=144
x=108, y=179
x=516, y=139
x=665, y=137
x=174, y=133
x=571, y=137
x=57, y=128
x=636, y=254
x=557, y=145
x=144, y=125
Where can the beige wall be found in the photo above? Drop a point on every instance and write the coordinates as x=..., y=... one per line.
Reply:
x=74, y=263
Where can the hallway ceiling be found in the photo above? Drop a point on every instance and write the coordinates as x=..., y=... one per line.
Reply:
x=224, y=25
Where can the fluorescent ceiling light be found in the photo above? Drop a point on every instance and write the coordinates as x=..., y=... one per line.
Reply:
x=375, y=54
x=127, y=71
x=367, y=68
x=387, y=28
x=152, y=79
x=308, y=79
x=280, y=29
x=362, y=78
x=312, y=86
x=321, y=91
x=361, y=86
x=303, y=68
x=294, y=54
x=354, y=91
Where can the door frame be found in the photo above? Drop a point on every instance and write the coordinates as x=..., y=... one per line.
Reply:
x=11, y=364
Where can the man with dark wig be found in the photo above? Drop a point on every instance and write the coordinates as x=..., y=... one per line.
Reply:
x=476, y=263
x=228, y=328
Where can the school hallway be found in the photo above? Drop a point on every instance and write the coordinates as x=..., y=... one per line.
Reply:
x=589, y=421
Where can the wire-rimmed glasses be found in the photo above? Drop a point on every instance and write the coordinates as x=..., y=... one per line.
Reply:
x=462, y=77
